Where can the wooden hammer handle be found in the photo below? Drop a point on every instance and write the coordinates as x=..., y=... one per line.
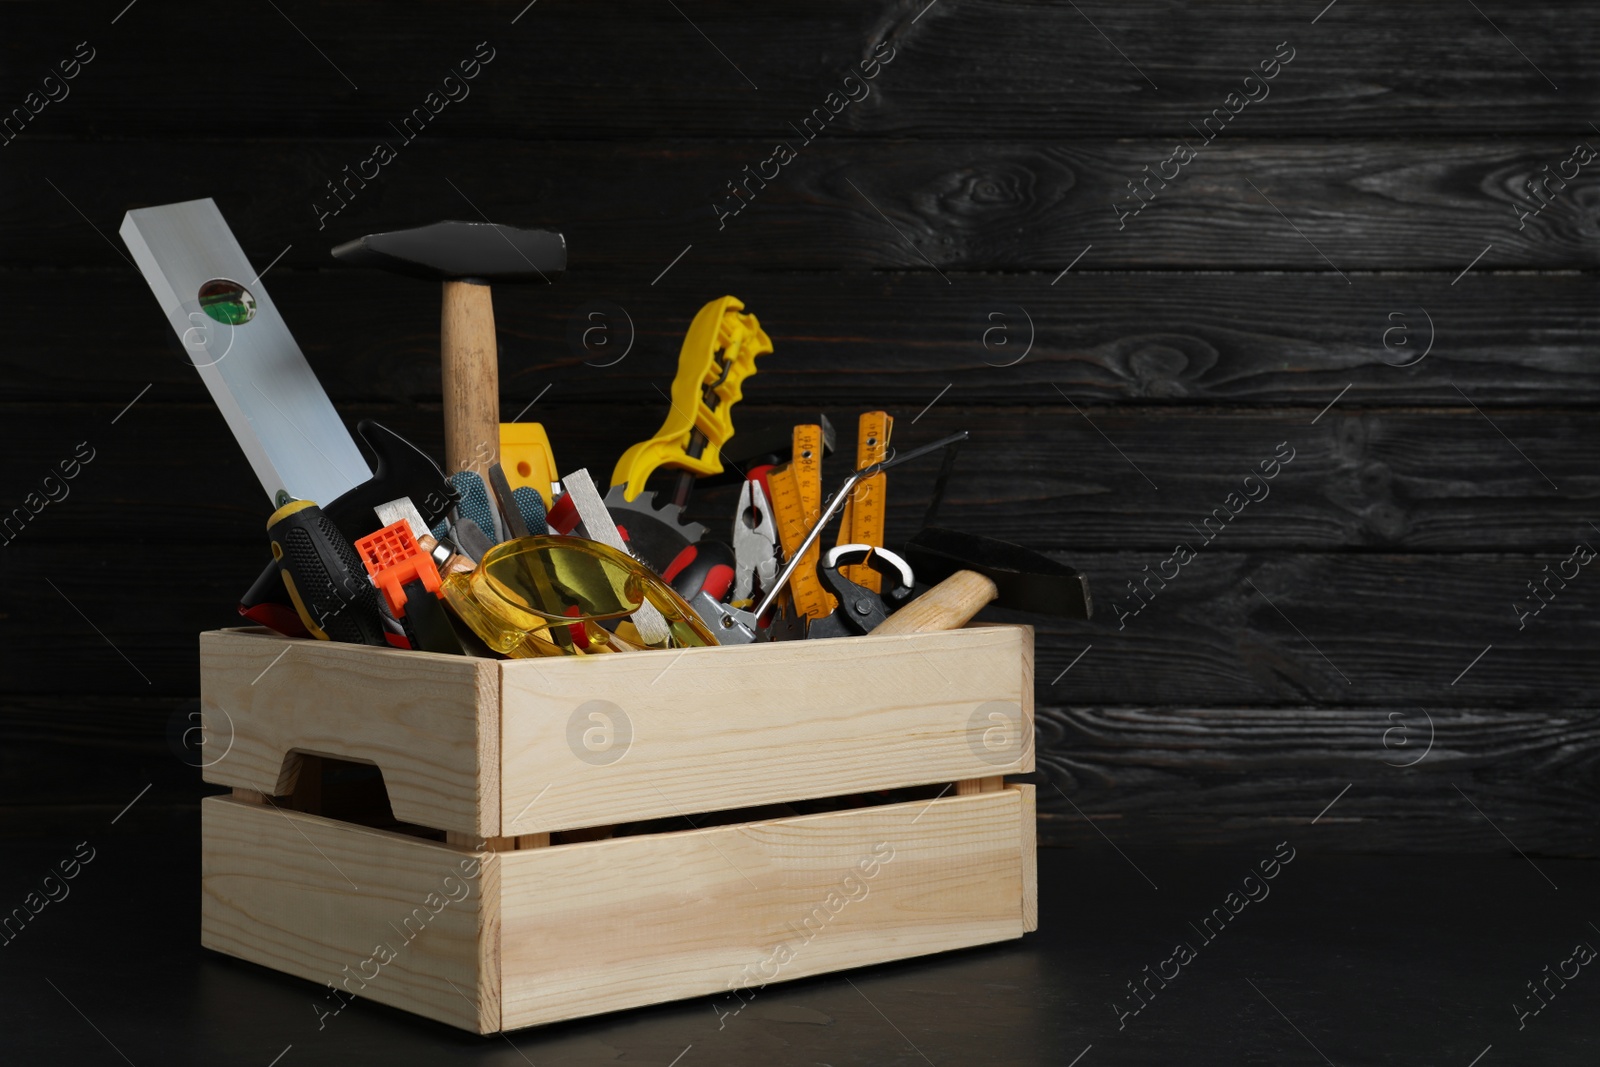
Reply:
x=470, y=363
x=947, y=606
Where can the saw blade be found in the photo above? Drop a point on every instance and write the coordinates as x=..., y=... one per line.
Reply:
x=656, y=535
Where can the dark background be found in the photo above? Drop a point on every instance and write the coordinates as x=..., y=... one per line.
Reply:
x=1318, y=643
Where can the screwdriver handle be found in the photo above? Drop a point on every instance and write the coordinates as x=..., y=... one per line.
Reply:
x=324, y=576
x=949, y=605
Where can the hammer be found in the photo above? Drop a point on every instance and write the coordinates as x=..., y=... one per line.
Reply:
x=466, y=256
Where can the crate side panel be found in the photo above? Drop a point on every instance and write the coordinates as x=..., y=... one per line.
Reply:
x=382, y=916
x=602, y=740
x=429, y=722
x=613, y=924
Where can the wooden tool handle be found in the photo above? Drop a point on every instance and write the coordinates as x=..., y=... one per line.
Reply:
x=471, y=377
x=947, y=606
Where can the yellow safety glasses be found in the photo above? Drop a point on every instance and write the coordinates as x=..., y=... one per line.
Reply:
x=546, y=595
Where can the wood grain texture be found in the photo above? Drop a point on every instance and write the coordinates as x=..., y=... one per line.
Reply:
x=1353, y=630
x=1399, y=625
x=1048, y=475
x=950, y=206
x=429, y=722
x=639, y=920
x=1030, y=856
x=995, y=68
x=1148, y=776
x=470, y=379
x=1158, y=776
x=950, y=604
x=1158, y=337
x=313, y=897
x=591, y=742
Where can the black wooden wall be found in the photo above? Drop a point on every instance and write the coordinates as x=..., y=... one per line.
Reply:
x=961, y=243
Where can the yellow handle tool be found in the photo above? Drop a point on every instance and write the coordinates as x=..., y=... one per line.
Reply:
x=864, y=511
x=719, y=353
x=526, y=457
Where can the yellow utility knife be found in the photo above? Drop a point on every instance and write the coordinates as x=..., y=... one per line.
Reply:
x=719, y=353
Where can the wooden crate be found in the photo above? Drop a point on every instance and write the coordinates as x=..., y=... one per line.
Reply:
x=459, y=904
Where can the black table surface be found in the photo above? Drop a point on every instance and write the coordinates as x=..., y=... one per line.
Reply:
x=1343, y=959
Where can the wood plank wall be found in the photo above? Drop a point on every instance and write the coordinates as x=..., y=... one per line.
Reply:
x=960, y=246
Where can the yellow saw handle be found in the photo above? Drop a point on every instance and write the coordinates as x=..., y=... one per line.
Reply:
x=703, y=394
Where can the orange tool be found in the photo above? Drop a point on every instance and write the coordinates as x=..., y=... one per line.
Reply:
x=864, y=511
x=394, y=559
x=797, y=502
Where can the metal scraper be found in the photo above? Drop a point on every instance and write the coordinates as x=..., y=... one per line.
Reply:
x=233, y=334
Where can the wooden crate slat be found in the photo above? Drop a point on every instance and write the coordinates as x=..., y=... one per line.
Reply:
x=714, y=729
x=312, y=897
x=614, y=924
x=429, y=722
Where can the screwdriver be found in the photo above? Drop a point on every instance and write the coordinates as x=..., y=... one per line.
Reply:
x=324, y=576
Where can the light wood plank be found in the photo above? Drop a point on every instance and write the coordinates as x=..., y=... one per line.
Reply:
x=429, y=722
x=595, y=927
x=1030, y=857
x=778, y=722
x=321, y=900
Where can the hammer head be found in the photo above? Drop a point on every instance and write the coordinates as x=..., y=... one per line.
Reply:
x=459, y=251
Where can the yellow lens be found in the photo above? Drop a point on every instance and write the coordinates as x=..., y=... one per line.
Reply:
x=533, y=581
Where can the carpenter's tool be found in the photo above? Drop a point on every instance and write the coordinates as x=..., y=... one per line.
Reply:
x=597, y=525
x=754, y=544
x=655, y=535
x=234, y=336
x=797, y=500
x=704, y=567
x=719, y=352
x=401, y=470
x=708, y=565
x=324, y=576
x=976, y=570
x=408, y=578
x=736, y=626
x=763, y=442
x=525, y=454
x=860, y=608
x=466, y=257
x=510, y=511
x=864, y=514
x=401, y=508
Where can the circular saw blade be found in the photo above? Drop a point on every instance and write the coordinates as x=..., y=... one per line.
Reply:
x=655, y=534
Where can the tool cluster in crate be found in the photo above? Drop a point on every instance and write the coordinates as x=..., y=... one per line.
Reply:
x=508, y=554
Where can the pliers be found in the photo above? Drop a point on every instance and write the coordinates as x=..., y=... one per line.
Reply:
x=860, y=610
x=755, y=539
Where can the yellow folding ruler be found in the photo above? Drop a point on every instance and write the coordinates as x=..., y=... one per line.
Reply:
x=797, y=504
x=864, y=511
